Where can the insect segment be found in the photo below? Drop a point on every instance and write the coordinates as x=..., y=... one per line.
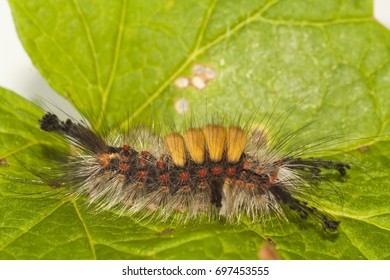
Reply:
x=211, y=171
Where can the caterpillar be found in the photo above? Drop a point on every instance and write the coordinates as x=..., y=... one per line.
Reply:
x=213, y=171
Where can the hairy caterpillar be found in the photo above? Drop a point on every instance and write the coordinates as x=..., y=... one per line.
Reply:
x=211, y=171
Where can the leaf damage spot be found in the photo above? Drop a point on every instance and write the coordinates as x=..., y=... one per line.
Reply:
x=198, y=83
x=182, y=82
x=3, y=162
x=363, y=149
x=182, y=105
x=206, y=73
x=201, y=75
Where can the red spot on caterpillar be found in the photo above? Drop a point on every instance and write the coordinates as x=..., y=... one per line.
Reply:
x=125, y=147
x=164, y=178
x=230, y=171
x=202, y=172
x=160, y=164
x=272, y=177
x=123, y=167
x=247, y=165
x=184, y=176
x=216, y=170
x=142, y=174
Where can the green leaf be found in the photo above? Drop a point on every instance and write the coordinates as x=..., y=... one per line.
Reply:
x=118, y=60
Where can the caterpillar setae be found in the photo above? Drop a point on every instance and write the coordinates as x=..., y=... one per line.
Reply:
x=213, y=171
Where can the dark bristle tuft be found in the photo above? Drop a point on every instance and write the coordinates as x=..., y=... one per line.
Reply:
x=78, y=133
x=302, y=208
x=50, y=122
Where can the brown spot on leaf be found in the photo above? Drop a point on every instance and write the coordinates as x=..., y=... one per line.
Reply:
x=268, y=251
x=3, y=162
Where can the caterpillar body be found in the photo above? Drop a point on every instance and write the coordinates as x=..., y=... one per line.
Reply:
x=210, y=171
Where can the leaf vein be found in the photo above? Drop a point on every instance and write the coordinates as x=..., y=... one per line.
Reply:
x=32, y=225
x=91, y=43
x=89, y=236
x=205, y=23
x=114, y=66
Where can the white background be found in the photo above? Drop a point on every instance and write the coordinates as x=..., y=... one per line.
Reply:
x=19, y=75
x=291, y=270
